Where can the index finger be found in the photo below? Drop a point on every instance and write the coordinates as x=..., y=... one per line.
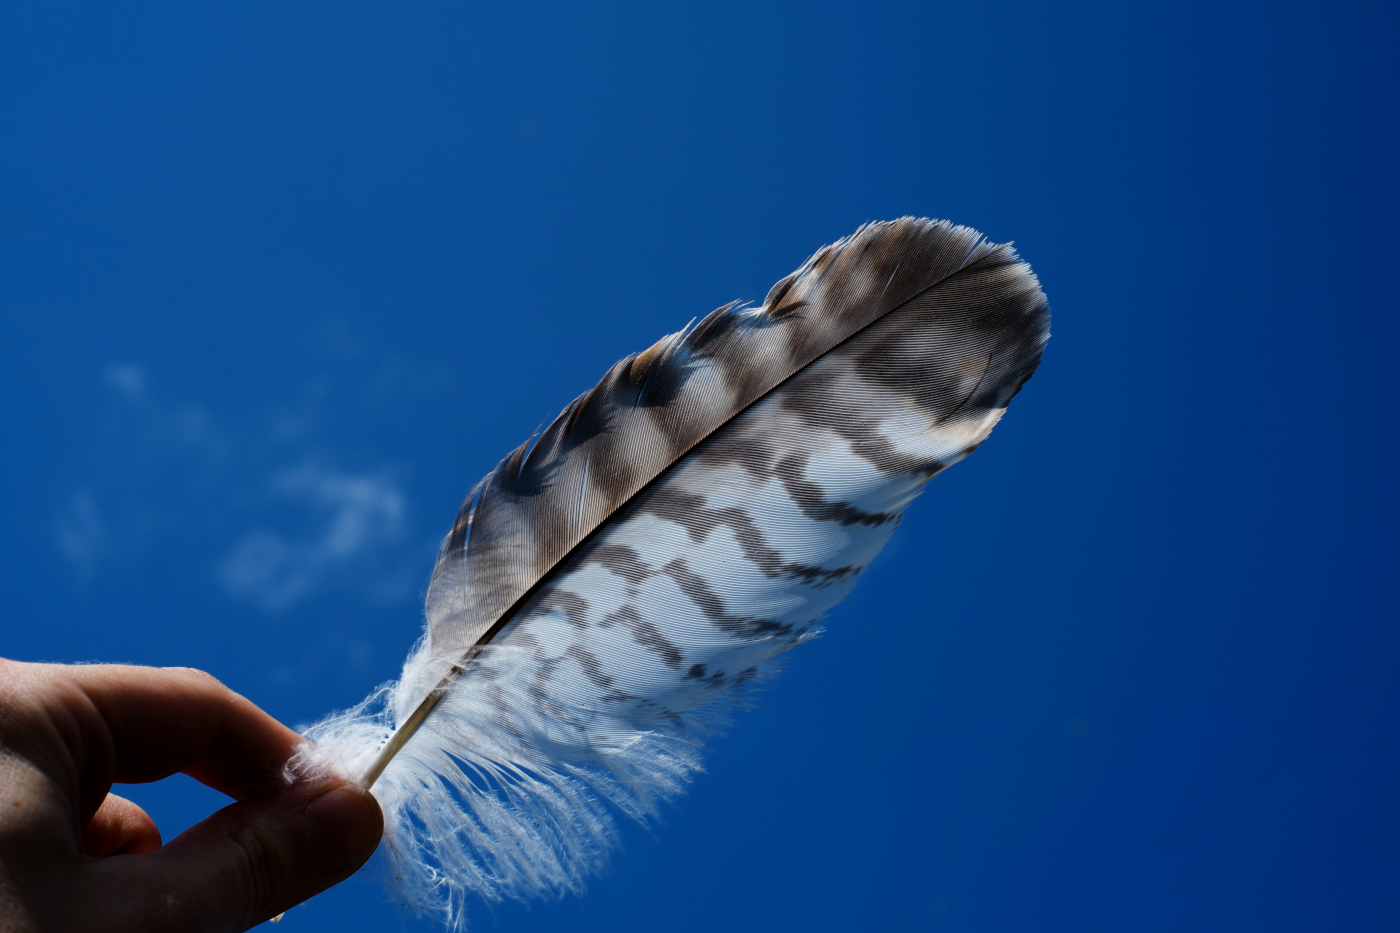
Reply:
x=167, y=720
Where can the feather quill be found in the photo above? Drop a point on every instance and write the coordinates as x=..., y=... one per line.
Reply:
x=626, y=576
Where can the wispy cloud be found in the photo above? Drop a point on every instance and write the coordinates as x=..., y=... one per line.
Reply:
x=263, y=493
x=126, y=378
x=356, y=516
x=81, y=535
x=150, y=456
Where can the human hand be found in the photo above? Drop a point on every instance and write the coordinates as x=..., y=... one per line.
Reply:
x=75, y=857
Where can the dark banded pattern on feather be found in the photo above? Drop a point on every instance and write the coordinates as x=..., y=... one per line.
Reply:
x=620, y=577
x=734, y=554
x=650, y=409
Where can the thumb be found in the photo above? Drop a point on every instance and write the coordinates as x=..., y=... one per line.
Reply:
x=254, y=859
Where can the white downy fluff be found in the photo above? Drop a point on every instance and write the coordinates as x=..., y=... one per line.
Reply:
x=470, y=808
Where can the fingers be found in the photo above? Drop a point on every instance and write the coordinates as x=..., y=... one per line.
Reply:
x=85, y=859
x=120, y=827
x=164, y=720
x=246, y=863
x=90, y=725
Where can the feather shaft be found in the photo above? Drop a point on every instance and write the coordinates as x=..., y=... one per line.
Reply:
x=628, y=573
x=403, y=733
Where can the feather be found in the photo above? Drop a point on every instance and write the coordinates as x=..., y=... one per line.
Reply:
x=626, y=576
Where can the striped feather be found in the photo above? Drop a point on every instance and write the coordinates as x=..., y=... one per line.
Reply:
x=618, y=581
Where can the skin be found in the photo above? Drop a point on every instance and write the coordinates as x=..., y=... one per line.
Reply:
x=74, y=856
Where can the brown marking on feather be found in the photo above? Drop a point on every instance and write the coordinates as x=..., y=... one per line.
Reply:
x=690, y=512
x=828, y=307
x=712, y=607
x=810, y=499
x=592, y=667
x=574, y=606
x=778, y=292
x=623, y=561
x=644, y=361
x=645, y=634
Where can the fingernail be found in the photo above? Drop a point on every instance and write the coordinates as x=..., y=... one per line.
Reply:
x=343, y=827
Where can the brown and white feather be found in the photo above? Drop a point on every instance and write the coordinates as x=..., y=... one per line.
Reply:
x=618, y=579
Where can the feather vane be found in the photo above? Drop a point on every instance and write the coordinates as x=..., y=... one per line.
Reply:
x=618, y=583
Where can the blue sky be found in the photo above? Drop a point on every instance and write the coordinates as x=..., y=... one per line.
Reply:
x=279, y=282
